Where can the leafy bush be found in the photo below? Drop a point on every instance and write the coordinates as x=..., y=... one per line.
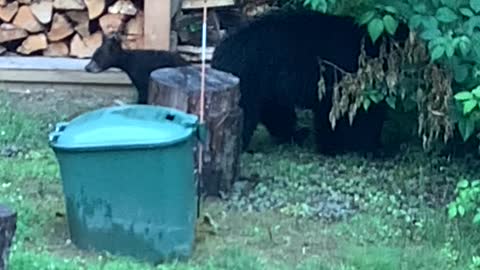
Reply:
x=449, y=30
x=469, y=104
x=467, y=202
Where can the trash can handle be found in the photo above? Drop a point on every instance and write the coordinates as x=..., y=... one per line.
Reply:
x=59, y=128
x=200, y=130
x=201, y=133
x=53, y=136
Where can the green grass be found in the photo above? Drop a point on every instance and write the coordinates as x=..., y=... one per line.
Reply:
x=373, y=239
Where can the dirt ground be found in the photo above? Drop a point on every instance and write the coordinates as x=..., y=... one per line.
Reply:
x=65, y=103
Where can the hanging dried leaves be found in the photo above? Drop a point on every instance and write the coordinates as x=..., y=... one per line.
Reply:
x=404, y=72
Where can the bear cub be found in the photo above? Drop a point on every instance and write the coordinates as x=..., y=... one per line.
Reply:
x=137, y=64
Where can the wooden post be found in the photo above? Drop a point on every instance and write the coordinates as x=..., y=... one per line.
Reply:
x=8, y=226
x=157, y=24
x=179, y=88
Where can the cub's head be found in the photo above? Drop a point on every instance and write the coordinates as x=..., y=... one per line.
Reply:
x=106, y=55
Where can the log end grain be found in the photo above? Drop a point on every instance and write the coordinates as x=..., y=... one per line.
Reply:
x=8, y=11
x=188, y=78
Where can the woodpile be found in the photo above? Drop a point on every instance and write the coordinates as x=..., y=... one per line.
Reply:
x=254, y=8
x=66, y=28
x=73, y=28
x=187, y=28
x=223, y=16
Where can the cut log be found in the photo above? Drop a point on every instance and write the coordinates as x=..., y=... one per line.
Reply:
x=195, y=50
x=182, y=25
x=125, y=7
x=3, y=3
x=32, y=44
x=8, y=227
x=69, y=4
x=85, y=47
x=10, y=32
x=56, y=49
x=26, y=20
x=80, y=18
x=179, y=88
x=198, y=4
x=60, y=29
x=42, y=9
x=83, y=29
x=110, y=23
x=95, y=8
x=192, y=58
x=7, y=12
x=194, y=54
x=135, y=25
x=133, y=42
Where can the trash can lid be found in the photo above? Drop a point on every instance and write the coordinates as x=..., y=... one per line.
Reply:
x=125, y=126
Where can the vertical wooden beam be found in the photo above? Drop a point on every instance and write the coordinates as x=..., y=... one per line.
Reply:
x=157, y=24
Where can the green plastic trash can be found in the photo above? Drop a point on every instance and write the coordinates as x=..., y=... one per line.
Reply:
x=128, y=180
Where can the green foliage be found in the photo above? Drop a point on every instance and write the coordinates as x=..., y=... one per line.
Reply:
x=450, y=255
x=16, y=128
x=370, y=96
x=467, y=201
x=451, y=32
x=379, y=20
x=475, y=263
x=390, y=23
x=375, y=28
x=339, y=7
x=475, y=5
x=469, y=102
x=320, y=5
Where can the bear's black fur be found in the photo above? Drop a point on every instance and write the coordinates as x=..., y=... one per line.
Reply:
x=277, y=57
x=137, y=64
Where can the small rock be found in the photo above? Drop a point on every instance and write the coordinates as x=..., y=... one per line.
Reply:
x=9, y=151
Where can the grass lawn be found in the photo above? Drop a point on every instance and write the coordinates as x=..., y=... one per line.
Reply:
x=304, y=211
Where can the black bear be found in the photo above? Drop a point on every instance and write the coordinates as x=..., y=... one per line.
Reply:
x=277, y=59
x=137, y=64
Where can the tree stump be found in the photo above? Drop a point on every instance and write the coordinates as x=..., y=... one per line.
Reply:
x=8, y=226
x=179, y=88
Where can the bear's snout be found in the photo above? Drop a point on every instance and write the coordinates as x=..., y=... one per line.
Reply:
x=92, y=67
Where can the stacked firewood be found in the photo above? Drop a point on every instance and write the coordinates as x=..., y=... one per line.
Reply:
x=253, y=8
x=66, y=28
x=223, y=16
x=73, y=28
x=187, y=27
